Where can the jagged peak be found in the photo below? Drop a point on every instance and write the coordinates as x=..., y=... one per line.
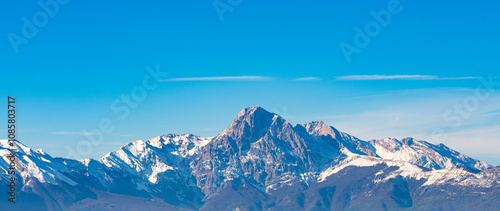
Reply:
x=319, y=128
x=252, y=123
x=253, y=116
x=4, y=143
x=253, y=111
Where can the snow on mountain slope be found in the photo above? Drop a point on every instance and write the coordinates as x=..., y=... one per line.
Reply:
x=259, y=149
x=155, y=156
x=33, y=163
x=410, y=150
x=424, y=154
x=262, y=147
x=353, y=144
x=455, y=175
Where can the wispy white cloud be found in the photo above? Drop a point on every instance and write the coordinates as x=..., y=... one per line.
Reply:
x=223, y=78
x=459, y=78
x=308, y=79
x=398, y=77
x=74, y=133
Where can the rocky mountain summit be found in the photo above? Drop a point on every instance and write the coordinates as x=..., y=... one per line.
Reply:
x=259, y=162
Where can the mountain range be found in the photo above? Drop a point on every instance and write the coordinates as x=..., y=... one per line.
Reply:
x=259, y=162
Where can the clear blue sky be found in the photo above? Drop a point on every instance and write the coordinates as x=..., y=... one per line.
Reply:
x=284, y=56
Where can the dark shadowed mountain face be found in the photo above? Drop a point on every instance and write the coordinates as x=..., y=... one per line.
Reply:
x=260, y=162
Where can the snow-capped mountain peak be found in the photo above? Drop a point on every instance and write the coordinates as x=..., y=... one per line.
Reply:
x=259, y=155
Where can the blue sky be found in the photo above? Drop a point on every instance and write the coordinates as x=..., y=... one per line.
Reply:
x=427, y=59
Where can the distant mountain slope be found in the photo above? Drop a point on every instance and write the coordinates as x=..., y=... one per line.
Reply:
x=259, y=162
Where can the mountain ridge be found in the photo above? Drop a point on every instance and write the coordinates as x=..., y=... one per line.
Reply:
x=259, y=156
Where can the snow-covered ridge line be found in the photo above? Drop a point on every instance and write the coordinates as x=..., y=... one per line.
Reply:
x=255, y=142
x=456, y=175
x=33, y=163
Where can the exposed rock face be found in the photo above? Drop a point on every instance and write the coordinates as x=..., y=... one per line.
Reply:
x=259, y=162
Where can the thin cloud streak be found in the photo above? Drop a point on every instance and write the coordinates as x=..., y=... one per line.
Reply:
x=223, y=78
x=308, y=79
x=73, y=133
x=398, y=77
x=88, y=134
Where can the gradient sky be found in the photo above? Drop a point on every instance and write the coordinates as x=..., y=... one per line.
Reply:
x=284, y=56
